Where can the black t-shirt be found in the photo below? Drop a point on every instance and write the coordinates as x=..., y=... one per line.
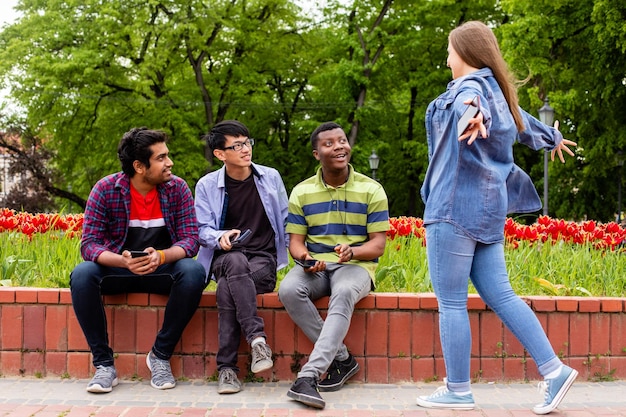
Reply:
x=245, y=211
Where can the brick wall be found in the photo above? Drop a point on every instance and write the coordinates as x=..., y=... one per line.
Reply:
x=393, y=336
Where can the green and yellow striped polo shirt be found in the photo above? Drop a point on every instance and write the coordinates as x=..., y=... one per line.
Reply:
x=329, y=216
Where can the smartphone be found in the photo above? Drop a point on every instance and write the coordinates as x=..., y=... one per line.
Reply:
x=470, y=112
x=242, y=236
x=307, y=263
x=138, y=253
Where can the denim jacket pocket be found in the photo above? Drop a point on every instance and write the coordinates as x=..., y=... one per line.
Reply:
x=441, y=115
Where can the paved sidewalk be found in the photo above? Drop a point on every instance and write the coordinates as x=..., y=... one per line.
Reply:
x=29, y=397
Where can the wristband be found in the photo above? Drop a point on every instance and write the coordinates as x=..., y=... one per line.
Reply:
x=162, y=254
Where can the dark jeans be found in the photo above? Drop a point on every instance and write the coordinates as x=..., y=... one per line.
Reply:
x=240, y=275
x=188, y=280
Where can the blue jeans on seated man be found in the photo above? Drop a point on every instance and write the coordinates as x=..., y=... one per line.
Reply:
x=453, y=258
x=188, y=280
x=240, y=275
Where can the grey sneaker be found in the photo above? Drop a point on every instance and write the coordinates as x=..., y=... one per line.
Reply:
x=162, y=377
x=228, y=382
x=104, y=380
x=261, y=358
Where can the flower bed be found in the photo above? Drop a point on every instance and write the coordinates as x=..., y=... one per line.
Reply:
x=549, y=257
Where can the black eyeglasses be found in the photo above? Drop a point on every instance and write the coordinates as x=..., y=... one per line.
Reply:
x=239, y=145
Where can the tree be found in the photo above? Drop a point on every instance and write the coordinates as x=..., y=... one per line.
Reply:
x=85, y=72
x=30, y=160
x=573, y=53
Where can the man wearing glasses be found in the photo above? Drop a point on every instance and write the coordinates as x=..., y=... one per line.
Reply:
x=242, y=212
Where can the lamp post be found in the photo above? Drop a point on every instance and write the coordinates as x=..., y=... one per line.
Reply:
x=546, y=115
x=374, y=161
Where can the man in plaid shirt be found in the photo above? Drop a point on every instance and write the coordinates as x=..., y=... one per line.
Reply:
x=140, y=234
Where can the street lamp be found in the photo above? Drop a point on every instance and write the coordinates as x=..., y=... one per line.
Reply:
x=374, y=161
x=546, y=115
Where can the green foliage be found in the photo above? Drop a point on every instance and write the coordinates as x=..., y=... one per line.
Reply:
x=46, y=260
x=43, y=260
x=84, y=72
x=13, y=268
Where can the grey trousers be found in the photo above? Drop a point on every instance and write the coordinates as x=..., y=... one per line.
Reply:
x=346, y=284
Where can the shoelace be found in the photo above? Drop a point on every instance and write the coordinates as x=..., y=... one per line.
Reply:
x=543, y=389
x=103, y=372
x=161, y=369
x=262, y=349
x=229, y=376
x=439, y=392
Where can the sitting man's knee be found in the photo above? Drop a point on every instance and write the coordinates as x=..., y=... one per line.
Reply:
x=83, y=272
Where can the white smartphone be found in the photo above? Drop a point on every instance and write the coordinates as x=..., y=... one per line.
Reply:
x=470, y=112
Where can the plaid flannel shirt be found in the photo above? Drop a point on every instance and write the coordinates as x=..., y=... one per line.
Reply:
x=105, y=224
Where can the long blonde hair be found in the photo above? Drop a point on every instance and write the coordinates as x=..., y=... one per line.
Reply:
x=478, y=47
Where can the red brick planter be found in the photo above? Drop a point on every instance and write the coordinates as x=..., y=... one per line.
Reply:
x=394, y=337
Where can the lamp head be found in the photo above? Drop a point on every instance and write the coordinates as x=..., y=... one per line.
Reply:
x=374, y=160
x=546, y=113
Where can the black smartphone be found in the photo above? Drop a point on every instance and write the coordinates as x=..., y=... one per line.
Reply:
x=242, y=236
x=307, y=263
x=470, y=112
x=138, y=253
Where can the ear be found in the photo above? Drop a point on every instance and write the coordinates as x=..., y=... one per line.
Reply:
x=139, y=167
x=219, y=154
x=316, y=154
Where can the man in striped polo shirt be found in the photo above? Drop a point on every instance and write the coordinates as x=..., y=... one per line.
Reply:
x=337, y=225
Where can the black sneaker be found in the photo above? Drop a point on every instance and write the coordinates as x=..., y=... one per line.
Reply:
x=338, y=373
x=305, y=390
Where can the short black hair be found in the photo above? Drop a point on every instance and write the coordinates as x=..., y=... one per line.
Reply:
x=135, y=146
x=323, y=128
x=216, y=138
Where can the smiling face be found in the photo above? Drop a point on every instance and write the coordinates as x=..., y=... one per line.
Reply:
x=333, y=150
x=235, y=159
x=160, y=170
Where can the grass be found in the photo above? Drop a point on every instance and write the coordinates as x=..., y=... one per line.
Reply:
x=535, y=268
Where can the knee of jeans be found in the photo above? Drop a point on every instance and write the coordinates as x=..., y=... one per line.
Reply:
x=288, y=292
x=83, y=274
x=234, y=263
x=192, y=273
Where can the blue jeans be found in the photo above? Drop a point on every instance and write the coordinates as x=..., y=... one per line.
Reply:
x=240, y=275
x=188, y=280
x=452, y=258
x=346, y=285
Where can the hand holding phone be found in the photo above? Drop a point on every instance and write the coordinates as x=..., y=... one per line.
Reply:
x=470, y=112
x=242, y=237
x=305, y=263
x=138, y=253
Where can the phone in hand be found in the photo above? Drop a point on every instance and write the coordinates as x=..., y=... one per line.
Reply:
x=138, y=253
x=242, y=237
x=305, y=263
x=470, y=112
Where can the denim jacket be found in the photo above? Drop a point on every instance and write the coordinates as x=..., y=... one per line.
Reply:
x=475, y=186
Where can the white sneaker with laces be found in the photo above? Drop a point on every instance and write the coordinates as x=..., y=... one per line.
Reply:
x=446, y=399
